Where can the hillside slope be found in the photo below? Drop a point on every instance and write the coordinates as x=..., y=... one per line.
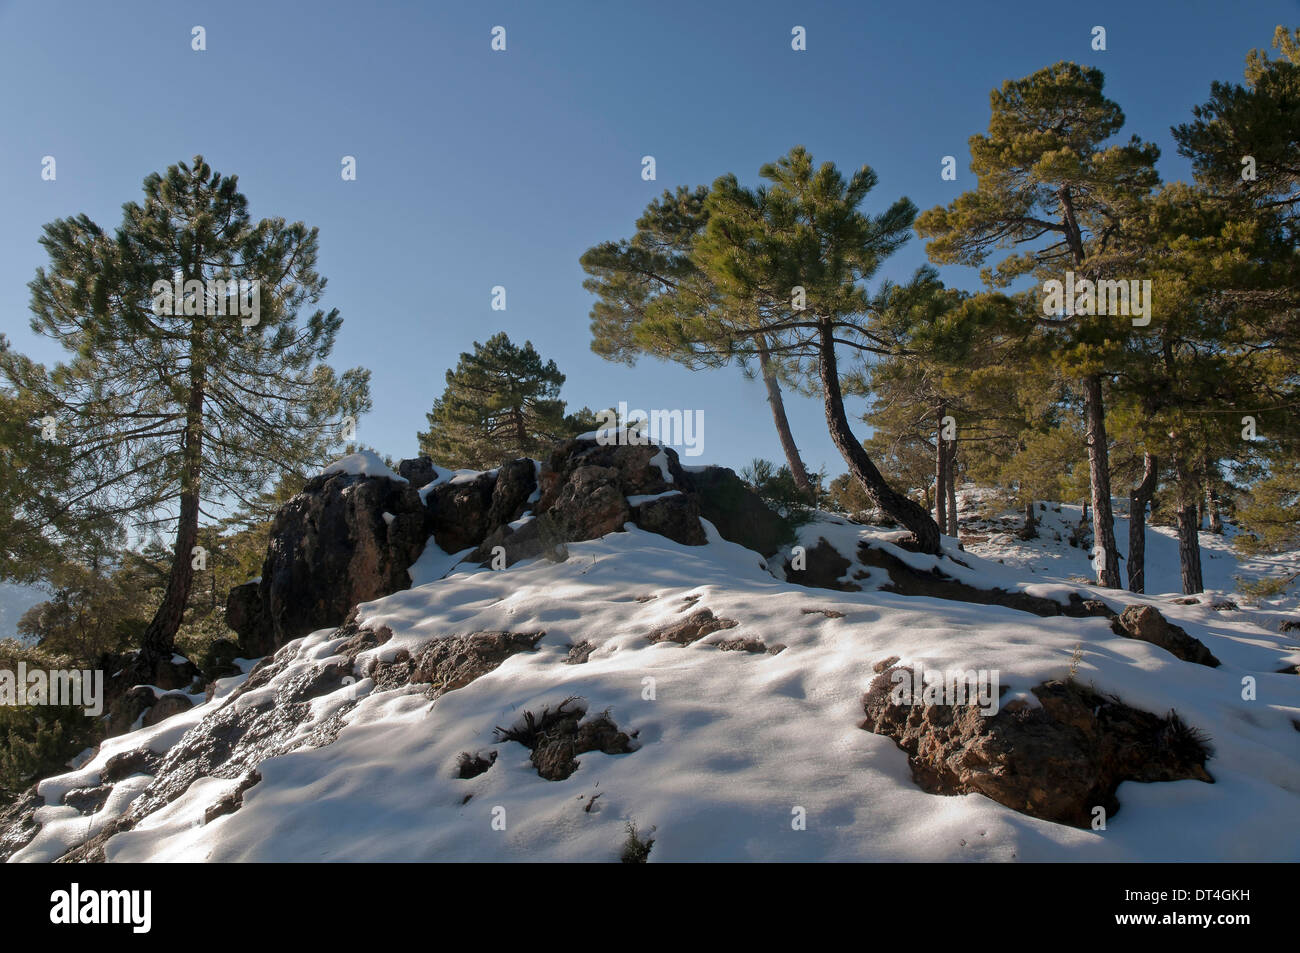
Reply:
x=724, y=752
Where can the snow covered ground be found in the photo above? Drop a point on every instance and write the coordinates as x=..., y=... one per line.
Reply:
x=1052, y=555
x=733, y=747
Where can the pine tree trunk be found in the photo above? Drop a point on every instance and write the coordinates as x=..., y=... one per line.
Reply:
x=1031, y=522
x=160, y=634
x=1189, y=548
x=777, y=404
x=1189, y=494
x=1103, y=521
x=1139, y=499
x=952, y=488
x=925, y=532
x=940, y=479
x=1212, y=500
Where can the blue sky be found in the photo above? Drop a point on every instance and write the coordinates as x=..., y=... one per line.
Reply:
x=478, y=168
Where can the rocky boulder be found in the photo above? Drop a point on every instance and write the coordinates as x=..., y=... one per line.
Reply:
x=419, y=472
x=1057, y=762
x=459, y=511
x=638, y=470
x=674, y=515
x=350, y=537
x=345, y=539
x=171, y=703
x=738, y=513
x=590, y=502
x=1147, y=624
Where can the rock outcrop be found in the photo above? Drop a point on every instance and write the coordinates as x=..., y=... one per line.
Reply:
x=1058, y=761
x=345, y=539
x=350, y=538
x=737, y=512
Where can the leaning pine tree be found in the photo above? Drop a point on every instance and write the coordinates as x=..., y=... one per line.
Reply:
x=173, y=402
x=794, y=256
x=639, y=280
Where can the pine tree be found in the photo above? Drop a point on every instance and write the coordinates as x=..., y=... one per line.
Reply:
x=501, y=402
x=1271, y=517
x=171, y=401
x=40, y=529
x=1245, y=150
x=789, y=263
x=1243, y=141
x=655, y=273
x=1043, y=171
x=923, y=393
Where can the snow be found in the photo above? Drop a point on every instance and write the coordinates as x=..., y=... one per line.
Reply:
x=1052, y=555
x=469, y=476
x=638, y=499
x=732, y=746
x=660, y=460
x=434, y=563
x=363, y=463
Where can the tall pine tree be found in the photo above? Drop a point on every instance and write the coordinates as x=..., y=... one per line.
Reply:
x=1043, y=170
x=173, y=406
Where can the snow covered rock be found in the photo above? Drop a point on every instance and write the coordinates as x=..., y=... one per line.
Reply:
x=1058, y=760
x=1146, y=623
x=354, y=532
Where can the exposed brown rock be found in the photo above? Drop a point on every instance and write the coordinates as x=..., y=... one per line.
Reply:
x=1147, y=624
x=589, y=505
x=677, y=517
x=935, y=584
x=418, y=472
x=751, y=645
x=694, y=627
x=884, y=664
x=345, y=539
x=1057, y=762
x=459, y=512
x=232, y=801
x=166, y=706
x=579, y=653
x=18, y=824
x=451, y=663
x=472, y=765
